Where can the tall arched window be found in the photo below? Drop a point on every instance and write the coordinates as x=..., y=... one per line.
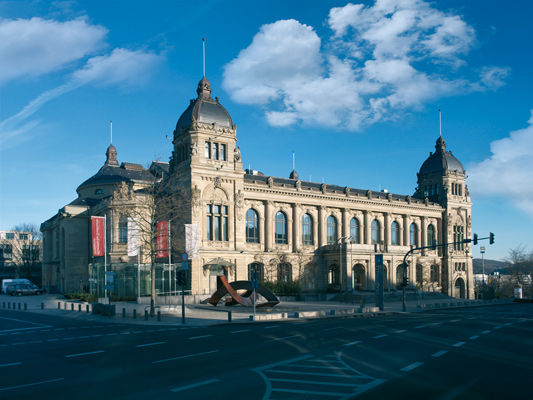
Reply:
x=376, y=231
x=284, y=272
x=435, y=276
x=413, y=235
x=252, y=226
x=354, y=231
x=217, y=222
x=431, y=235
x=332, y=230
x=395, y=233
x=259, y=269
x=307, y=230
x=123, y=230
x=281, y=228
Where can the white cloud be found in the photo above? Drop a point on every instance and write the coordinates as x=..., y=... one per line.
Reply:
x=507, y=173
x=379, y=61
x=32, y=47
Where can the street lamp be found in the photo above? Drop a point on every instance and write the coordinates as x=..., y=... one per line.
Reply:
x=467, y=249
x=482, y=251
x=340, y=265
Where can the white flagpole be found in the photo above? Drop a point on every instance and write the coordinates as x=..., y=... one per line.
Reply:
x=105, y=256
x=169, y=268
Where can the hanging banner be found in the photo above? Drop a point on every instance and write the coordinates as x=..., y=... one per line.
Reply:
x=97, y=234
x=162, y=239
x=192, y=240
x=133, y=237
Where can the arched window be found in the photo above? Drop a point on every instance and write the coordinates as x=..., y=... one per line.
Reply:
x=259, y=269
x=332, y=230
x=284, y=272
x=307, y=230
x=376, y=231
x=395, y=233
x=431, y=235
x=217, y=222
x=252, y=226
x=413, y=234
x=435, y=273
x=419, y=274
x=354, y=231
x=123, y=230
x=281, y=228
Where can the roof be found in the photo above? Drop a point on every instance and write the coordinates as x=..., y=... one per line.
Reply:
x=441, y=160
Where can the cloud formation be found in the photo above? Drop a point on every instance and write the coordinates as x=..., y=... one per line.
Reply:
x=377, y=61
x=507, y=173
x=34, y=47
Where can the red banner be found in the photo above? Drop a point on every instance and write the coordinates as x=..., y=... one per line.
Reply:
x=97, y=229
x=162, y=239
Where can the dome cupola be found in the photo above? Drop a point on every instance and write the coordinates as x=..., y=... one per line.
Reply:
x=441, y=160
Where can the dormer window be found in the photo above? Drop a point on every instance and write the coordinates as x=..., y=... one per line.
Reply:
x=99, y=191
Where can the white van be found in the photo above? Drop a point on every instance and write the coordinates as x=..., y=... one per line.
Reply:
x=7, y=282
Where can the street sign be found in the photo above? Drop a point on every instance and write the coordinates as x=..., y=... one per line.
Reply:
x=185, y=266
x=255, y=284
x=184, y=256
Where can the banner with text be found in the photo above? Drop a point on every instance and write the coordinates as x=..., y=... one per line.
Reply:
x=97, y=235
x=162, y=239
x=133, y=236
x=192, y=241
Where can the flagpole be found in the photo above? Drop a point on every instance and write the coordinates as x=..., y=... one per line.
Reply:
x=105, y=257
x=169, y=268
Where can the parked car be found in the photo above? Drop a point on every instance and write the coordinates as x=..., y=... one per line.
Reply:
x=23, y=289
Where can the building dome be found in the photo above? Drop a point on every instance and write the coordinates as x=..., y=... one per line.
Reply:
x=204, y=109
x=441, y=160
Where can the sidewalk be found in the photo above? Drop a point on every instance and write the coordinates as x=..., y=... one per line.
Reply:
x=206, y=314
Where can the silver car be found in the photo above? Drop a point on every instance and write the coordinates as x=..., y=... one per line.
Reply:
x=22, y=289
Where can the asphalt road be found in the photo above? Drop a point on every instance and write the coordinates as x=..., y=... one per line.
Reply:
x=475, y=353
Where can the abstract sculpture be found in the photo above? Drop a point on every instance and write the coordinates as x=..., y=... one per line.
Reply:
x=243, y=299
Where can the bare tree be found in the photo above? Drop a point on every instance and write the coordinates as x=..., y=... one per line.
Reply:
x=27, y=249
x=521, y=268
x=159, y=202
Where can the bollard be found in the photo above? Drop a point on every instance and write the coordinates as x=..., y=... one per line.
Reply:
x=25, y=306
x=66, y=305
x=42, y=306
x=4, y=304
x=59, y=305
x=229, y=316
x=14, y=306
x=123, y=313
x=19, y=306
x=146, y=315
x=134, y=313
x=71, y=306
x=79, y=307
x=159, y=316
x=87, y=307
x=8, y=305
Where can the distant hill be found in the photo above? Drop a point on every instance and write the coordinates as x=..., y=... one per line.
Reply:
x=490, y=266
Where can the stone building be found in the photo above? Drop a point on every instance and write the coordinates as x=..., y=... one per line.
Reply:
x=324, y=236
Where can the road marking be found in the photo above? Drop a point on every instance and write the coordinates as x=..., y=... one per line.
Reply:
x=32, y=384
x=84, y=354
x=349, y=344
x=18, y=344
x=455, y=320
x=497, y=327
x=473, y=337
x=402, y=331
x=458, y=344
x=439, y=353
x=379, y=336
x=98, y=335
x=486, y=332
x=312, y=382
x=68, y=338
x=37, y=341
x=59, y=329
x=278, y=371
x=272, y=326
x=84, y=337
x=26, y=322
x=412, y=366
x=508, y=323
x=421, y=326
x=150, y=344
x=332, y=329
x=199, y=337
x=52, y=340
x=188, y=356
x=436, y=323
x=244, y=330
x=112, y=334
x=194, y=385
x=9, y=365
x=283, y=338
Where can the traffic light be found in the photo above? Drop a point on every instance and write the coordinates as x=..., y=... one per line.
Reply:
x=434, y=245
x=491, y=238
x=182, y=278
x=405, y=281
x=475, y=238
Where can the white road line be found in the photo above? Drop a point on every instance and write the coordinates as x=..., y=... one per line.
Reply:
x=68, y=338
x=379, y=336
x=84, y=354
x=18, y=344
x=421, y=326
x=37, y=341
x=112, y=334
x=11, y=364
x=272, y=326
x=436, y=323
x=194, y=385
x=497, y=327
x=314, y=382
x=277, y=371
x=412, y=366
x=486, y=332
x=332, y=329
x=150, y=344
x=188, y=356
x=244, y=330
x=84, y=337
x=439, y=353
x=311, y=392
x=283, y=338
x=199, y=337
x=52, y=340
x=402, y=331
x=349, y=344
x=32, y=384
x=458, y=344
x=26, y=322
x=97, y=335
x=473, y=337
x=508, y=323
x=455, y=320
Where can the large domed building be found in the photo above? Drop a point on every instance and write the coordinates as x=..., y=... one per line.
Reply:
x=323, y=237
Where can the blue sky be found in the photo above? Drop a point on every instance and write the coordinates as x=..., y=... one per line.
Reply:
x=353, y=89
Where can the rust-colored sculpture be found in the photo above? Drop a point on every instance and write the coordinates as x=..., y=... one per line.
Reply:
x=244, y=299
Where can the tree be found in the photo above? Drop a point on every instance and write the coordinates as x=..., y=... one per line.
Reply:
x=159, y=202
x=27, y=249
x=521, y=268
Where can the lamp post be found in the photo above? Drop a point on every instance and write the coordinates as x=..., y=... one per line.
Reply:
x=451, y=273
x=467, y=249
x=482, y=251
x=340, y=265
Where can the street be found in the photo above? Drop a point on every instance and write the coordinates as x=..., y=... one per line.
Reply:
x=478, y=352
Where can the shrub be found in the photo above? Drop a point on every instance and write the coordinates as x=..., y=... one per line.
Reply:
x=281, y=288
x=87, y=297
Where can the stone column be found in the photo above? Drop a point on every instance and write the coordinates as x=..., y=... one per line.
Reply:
x=321, y=226
x=423, y=229
x=296, y=230
x=367, y=228
x=406, y=230
x=387, y=229
x=269, y=225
